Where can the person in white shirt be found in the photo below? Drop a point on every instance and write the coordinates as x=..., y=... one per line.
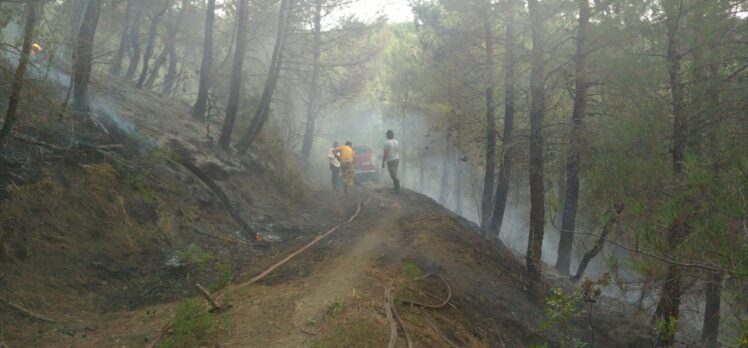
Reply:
x=334, y=165
x=391, y=157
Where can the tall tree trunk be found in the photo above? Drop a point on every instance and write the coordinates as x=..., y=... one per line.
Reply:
x=490, y=169
x=668, y=307
x=84, y=57
x=77, y=7
x=116, y=67
x=152, y=32
x=156, y=70
x=571, y=197
x=132, y=68
x=505, y=164
x=236, y=76
x=170, y=51
x=713, y=293
x=311, y=113
x=537, y=187
x=33, y=9
x=200, y=107
x=263, y=110
x=171, y=74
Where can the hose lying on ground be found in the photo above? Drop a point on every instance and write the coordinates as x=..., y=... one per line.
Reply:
x=304, y=248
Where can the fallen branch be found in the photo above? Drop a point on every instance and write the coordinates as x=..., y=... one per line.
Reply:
x=430, y=306
x=27, y=312
x=390, y=319
x=213, y=302
x=217, y=191
x=302, y=249
x=77, y=146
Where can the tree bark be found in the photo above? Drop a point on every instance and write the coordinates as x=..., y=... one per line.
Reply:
x=490, y=169
x=32, y=16
x=156, y=70
x=116, y=67
x=152, y=32
x=311, y=113
x=200, y=107
x=668, y=307
x=571, y=196
x=713, y=293
x=171, y=49
x=84, y=57
x=537, y=187
x=236, y=79
x=263, y=109
x=77, y=8
x=135, y=40
x=505, y=163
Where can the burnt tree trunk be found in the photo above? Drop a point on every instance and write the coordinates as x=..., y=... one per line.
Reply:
x=537, y=187
x=116, y=67
x=169, y=50
x=32, y=16
x=156, y=70
x=84, y=57
x=668, y=307
x=263, y=109
x=236, y=76
x=490, y=169
x=571, y=196
x=152, y=32
x=713, y=293
x=134, y=38
x=201, y=103
x=311, y=113
x=77, y=8
x=505, y=159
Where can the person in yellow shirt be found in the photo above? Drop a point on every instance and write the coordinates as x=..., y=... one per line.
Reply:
x=345, y=155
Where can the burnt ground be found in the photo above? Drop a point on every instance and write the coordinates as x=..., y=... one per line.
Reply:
x=108, y=244
x=332, y=295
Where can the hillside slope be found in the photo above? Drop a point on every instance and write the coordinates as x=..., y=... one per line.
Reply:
x=110, y=245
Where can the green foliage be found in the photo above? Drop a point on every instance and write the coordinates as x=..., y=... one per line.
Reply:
x=337, y=307
x=195, y=257
x=224, y=277
x=411, y=270
x=135, y=181
x=561, y=309
x=193, y=326
x=667, y=327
